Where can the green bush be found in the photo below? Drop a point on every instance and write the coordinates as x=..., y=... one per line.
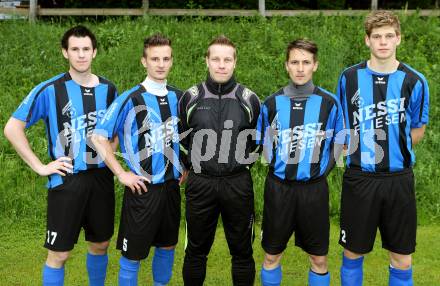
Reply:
x=242, y=4
x=31, y=54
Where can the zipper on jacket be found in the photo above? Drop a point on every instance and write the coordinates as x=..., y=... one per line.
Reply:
x=219, y=130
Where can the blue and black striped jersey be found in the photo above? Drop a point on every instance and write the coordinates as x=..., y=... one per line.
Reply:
x=70, y=112
x=147, y=128
x=298, y=133
x=380, y=110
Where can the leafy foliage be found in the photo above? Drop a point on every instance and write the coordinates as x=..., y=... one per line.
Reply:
x=31, y=54
x=243, y=4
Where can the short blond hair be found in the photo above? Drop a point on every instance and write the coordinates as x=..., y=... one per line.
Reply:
x=381, y=18
x=221, y=40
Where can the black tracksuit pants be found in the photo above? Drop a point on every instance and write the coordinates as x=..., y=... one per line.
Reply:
x=206, y=198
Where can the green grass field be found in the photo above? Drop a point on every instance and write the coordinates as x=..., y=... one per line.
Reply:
x=22, y=258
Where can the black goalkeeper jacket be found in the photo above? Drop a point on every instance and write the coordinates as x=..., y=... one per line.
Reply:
x=221, y=120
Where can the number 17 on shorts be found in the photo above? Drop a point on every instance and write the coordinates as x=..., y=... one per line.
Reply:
x=51, y=236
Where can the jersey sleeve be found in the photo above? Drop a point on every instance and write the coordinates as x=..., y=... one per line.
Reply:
x=184, y=129
x=114, y=118
x=341, y=99
x=114, y=94
x=339, y=128
x=256, y=106
x=262, y=124
x=419, y=104
x=340, y=90
x=267, y=131
x=33, y=107
x=183, y=102
x=335, y=134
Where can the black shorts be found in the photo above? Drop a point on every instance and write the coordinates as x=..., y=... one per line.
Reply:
x=85, y=199
x=208, y=197
x=300, y=207
x=152, y=218
x=384, y=200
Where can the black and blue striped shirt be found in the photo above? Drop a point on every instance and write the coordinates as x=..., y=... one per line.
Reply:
x=380, y=110
x=70, y=112
x=298, y=133
x=147, y=128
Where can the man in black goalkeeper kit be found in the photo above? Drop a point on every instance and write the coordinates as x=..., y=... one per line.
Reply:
x=221, y=115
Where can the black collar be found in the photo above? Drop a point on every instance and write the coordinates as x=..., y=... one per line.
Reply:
x=220, y=88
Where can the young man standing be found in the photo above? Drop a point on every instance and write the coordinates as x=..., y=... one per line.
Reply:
x=218, y=112
x=81, y=191
x=385, y=106
x=145, y=120
x=299, y=126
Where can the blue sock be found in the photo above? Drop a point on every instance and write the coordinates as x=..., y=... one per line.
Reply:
x=316, y=279
x=271, y=277
x=97, y=269
x=53, y=276
x=399, y=277
x=351, y=271
x=162, y=265
x=128, y=272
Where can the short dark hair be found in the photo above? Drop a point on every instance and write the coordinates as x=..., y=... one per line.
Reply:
x=80, y=32
x=155, y=41
x=221, y=40
x=302, y=44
